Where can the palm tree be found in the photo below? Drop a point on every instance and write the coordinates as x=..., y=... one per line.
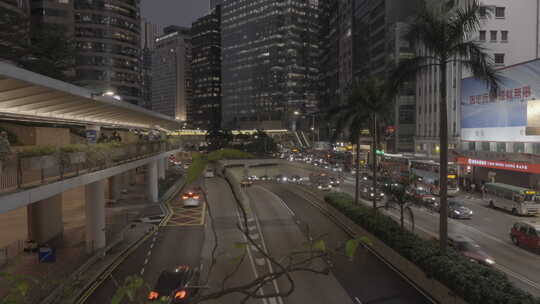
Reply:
x=369, y=100
x=446, y=37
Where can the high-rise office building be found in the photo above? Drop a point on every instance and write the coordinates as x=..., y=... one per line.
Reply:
x=107, y=36
x=379, y=28
x=270, y=67
x=149, y=33
x=214, y=3
x=204, y=110
x=329, y=61
x=171, y=73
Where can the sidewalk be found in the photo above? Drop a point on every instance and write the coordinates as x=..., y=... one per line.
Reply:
x=73, y=265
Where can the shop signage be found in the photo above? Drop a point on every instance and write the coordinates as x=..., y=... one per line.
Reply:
x=503, y=165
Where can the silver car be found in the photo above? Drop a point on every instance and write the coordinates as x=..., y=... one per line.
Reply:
x=191, y=199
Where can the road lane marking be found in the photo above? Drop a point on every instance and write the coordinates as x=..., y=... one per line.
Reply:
x=149, y=252
x=145, y=261
x=142, y=271
x=250, y=257
x=278, y=199
x=357, y=300
x=152, y=246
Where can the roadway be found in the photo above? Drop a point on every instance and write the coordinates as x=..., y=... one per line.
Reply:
x=488, y=227
x=285, y=211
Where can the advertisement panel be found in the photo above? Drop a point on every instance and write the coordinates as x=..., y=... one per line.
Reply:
x=503, y=165
x=513, y=115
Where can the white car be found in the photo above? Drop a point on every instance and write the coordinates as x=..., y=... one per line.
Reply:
x=324, y=187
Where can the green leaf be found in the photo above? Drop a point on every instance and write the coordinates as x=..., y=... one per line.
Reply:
x=365, y=240
x=240, y=245
x=350, y=247
x=320, y=245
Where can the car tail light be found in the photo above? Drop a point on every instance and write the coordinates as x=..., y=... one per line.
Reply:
x=196, y=197
x=153, y=295
x=185, y=197
x=180, y=294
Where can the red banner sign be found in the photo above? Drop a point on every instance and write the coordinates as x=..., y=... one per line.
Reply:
x=502, y=165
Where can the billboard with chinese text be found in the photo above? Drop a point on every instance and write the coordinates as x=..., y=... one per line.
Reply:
x=513, y=115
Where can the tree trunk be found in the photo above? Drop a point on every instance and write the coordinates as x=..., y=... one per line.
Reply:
x=374, y=161
x=357, y=167
x=443, y=160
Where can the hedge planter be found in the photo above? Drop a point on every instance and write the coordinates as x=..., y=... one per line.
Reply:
x=39, y=162
x=77, y=157
x=118, y=154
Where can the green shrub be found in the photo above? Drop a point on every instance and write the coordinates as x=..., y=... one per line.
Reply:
x=74, y=148
x=37, y=151
x=473, y=282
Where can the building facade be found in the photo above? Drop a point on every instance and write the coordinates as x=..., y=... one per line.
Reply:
x=171, y=73
x=204, y=110
x=149, y=33
x=214, y=3
x=270, y=67
x=509, y=34
x=379, y=45
x=107, y=36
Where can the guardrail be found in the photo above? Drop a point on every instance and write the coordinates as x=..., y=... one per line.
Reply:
x=22, y=171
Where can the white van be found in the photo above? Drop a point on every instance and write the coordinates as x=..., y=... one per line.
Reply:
x=209, y=173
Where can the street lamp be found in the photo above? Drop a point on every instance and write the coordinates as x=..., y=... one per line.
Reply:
x=108, y=93
x=296, y=113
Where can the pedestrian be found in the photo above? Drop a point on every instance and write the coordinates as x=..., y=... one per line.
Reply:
x=116, y=137
x=5, y=147
x=483, y=189
x=103, y=138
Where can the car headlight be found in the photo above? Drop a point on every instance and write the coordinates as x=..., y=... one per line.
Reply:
x=489, y=261
x=371, y=194
x=382, y=194
x=320, y=187
x=457, y=212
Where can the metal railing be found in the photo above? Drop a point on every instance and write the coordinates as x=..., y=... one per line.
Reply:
x=22, y=172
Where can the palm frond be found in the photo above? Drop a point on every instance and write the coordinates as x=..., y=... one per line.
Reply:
x=465, y=22
x=473, y=57
x=407, y=70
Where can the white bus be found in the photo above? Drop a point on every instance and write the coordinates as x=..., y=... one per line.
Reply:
x=518, y=200
x=428, y=172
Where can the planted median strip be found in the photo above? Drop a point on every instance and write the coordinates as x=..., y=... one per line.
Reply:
x=472, y=282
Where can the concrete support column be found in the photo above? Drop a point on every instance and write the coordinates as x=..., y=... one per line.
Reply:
x=529, y=148
x=152, y=180
x=45, y=219
x=478, y=146
x=132, y=179
x=509, y=147
x=115, y=187
x=161, y=169
x=95, y=216
x=125, y=180
x=493, y=146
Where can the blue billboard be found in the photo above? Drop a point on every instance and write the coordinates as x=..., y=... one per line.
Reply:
x=512, y=115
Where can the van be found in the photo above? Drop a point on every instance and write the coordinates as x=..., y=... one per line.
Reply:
x=209, y=173
x=526, y=235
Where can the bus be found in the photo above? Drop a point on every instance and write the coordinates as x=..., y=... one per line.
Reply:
x=428, y=173
x=396, y=167
x=518, y=200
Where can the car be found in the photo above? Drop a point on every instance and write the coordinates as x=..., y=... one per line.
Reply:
x=324, y=187
x=191, y=198
x=369, y=193
x=177, y=286
x=295, y=179
x=337, y=169
x=422, y=195
x=280, y=178
x=470, y=249
x=264, y=178
x=156, y=219
x=246, y=182
x=253, y=178
x=526, y=234
x=209, y=173
x=335, y=182
x=458, y=211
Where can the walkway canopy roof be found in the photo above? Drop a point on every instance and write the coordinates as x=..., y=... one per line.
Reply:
x=25, y=95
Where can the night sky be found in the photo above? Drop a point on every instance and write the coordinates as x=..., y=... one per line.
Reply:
x=177, y=12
